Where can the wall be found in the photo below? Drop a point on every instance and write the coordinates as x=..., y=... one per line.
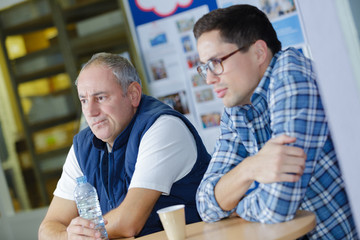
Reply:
x=6, y=207
x=334, y=44
x=7, y=3
x=14, y=226
x=10, y=221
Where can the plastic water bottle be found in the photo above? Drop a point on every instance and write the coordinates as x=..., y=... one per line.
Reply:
x=88, y=205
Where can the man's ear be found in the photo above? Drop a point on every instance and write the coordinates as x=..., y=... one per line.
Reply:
x=261, y=51
x=134, y=93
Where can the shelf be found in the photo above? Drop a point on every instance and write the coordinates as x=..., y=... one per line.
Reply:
x=59, y=151
x=40, y=64
x=99, y=41
x=89, y=9
x=53, y=122
x=72, y=14
x=51, y=119
x=26, y=17
x=30, y=26
x=54, y=141
x=49, y=71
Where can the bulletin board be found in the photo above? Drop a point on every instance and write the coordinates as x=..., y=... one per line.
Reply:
x=162, y=31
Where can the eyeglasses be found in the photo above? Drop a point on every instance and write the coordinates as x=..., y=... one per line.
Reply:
x=215, y=65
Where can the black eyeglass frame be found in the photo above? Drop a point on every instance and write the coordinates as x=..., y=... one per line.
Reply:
x=202, y=69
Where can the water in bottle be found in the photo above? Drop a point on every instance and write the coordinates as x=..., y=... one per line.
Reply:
x=88, y=204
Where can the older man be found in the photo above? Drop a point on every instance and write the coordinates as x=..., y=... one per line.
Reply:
x=140, y=155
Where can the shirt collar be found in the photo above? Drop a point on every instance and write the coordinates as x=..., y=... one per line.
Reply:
x=260, y=93
x=263, y=86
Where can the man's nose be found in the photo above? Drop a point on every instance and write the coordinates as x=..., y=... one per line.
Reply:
x=211, y=78
x=92, y=109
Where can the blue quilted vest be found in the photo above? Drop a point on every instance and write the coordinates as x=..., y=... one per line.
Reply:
x=111, y=173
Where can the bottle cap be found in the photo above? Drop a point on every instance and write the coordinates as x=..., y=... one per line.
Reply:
x=81, y=179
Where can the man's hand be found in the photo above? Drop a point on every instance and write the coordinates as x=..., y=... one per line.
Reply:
x=80, y=227
x=277, y=162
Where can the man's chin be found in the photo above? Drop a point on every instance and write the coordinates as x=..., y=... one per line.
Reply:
x=100, y=135
x=227, y=103
x=234, y=102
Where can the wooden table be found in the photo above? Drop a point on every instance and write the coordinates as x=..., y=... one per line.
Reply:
x=237, y=228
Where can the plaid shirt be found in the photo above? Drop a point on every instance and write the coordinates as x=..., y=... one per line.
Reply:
x=287, y=101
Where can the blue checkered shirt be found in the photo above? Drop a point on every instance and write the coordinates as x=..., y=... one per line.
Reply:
x=286, y=101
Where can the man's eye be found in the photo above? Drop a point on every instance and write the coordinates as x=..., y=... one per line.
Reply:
x=101, y=98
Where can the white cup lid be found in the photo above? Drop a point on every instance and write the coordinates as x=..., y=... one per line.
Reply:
x=171, y=208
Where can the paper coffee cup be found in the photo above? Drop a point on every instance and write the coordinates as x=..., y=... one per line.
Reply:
x=173, y=221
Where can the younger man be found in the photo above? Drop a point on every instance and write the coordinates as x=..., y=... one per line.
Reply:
x=274, y=132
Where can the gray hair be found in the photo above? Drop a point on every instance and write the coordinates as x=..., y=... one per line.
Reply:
x=124, y=72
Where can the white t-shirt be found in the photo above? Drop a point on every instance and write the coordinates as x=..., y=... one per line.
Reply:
x=167, y=153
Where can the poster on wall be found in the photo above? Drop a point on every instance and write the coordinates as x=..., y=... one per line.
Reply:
x=284, y=18
x=168, y=48
x=162, y=31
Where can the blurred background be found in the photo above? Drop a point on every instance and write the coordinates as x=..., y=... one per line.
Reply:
x=44, y=43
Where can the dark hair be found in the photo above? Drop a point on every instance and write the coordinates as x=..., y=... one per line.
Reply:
x=124, y=72
x=240, y=24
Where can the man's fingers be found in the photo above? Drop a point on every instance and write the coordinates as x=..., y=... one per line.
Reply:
x=84, y=231
x=293, y=169
x=82, y=227
x=288, y=150
x=83, y=222
x=295, y=151
x=279, y=162
x=287, y=177
x=283, y=139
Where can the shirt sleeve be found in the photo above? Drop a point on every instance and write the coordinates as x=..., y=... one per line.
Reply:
x=225, y=157
x=167, y=153
x=67, y=182
x=295, y=110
